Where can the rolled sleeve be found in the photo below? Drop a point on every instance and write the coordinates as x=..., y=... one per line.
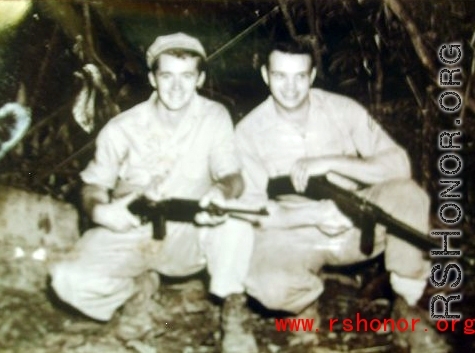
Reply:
x=367, y=134
x=110, y=150
x=223, y=157
x=372, y=141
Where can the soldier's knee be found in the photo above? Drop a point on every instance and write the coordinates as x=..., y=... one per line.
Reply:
x=400, y=195
x=410, y=190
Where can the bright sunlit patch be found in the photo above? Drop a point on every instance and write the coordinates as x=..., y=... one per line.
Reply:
x=19, y=252
x=12, y=11
x=39, y=254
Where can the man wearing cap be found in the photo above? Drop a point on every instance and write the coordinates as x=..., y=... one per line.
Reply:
x=176, y=144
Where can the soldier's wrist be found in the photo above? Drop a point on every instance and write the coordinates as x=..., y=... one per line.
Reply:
x=92, y=196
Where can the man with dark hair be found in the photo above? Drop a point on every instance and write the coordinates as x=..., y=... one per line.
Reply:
x=302, y=132
x=176, y=144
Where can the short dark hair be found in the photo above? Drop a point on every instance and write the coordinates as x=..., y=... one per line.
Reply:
x=290, y=46
x=181, y=53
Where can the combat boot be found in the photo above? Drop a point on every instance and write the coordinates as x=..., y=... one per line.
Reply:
x=235, y=325
x=141, y=311
x=307, y=337
x=425, y=337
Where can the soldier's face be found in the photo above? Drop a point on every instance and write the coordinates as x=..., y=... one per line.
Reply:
x=176, y=79
x=289, y=77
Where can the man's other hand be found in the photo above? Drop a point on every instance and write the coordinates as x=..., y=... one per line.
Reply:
x=116, y=215
x=213, y=197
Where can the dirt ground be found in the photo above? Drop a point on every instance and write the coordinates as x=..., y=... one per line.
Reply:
x=36, y=322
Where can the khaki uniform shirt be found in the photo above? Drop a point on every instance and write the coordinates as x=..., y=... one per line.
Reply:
x=134, y=149
x=336, y=125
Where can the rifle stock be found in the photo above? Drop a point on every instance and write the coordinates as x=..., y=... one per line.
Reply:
x=365, y=213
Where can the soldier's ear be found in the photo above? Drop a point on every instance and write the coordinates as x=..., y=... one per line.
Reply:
x=201, y=79
x=313, y=74
x=265, y=74
x=152, y=79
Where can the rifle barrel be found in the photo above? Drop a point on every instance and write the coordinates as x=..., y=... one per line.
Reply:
x=222, y=210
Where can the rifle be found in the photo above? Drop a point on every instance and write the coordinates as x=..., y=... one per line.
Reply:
x=364, y=213
x=178, y=210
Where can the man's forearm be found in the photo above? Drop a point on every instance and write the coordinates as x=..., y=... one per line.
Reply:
x=389, y=165
x=232, y=185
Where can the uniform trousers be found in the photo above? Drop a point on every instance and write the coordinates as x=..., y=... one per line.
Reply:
x=98, y=275
x=284, y=270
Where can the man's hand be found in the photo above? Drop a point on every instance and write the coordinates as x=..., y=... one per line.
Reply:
x=115, y=215
x=213, y=196
x=306, y=167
